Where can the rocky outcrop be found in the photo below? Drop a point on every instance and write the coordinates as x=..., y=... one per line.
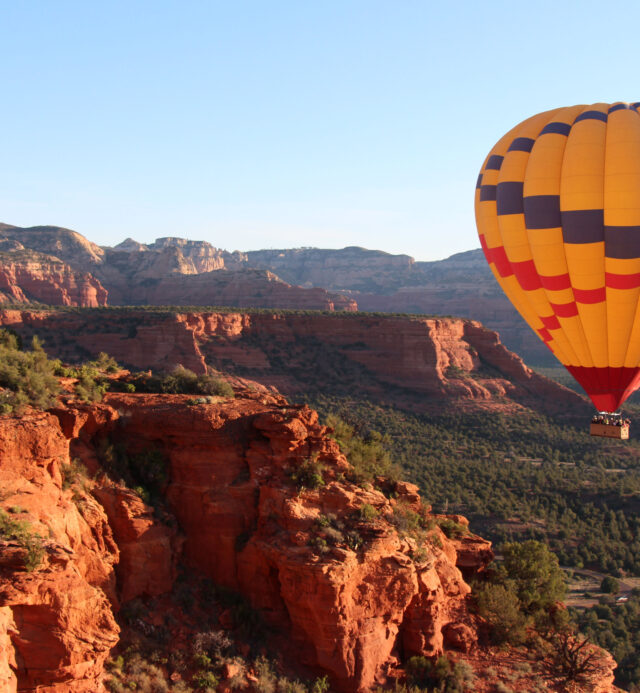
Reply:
x=461, y=285
x=324, y=559
x=245, y=525
x=166, y=273
x=8, y=664
x=70, y=246
x=434, y=362
x=26, y=277
x=353, y=268
x=349, y=607
x=245, y=288
x=57, y=624
x=58, y=618
x=171, y=271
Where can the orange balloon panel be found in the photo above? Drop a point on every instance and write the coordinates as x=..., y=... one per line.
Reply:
x=558, y=214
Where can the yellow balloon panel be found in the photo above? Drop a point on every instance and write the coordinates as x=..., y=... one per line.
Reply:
x=558, y=212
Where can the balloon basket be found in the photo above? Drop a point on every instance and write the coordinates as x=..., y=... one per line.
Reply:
x=605, y=425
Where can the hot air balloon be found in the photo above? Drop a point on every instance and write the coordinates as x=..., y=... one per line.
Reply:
x=558, y=214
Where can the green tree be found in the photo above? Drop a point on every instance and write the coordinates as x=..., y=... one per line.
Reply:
x=501, y=608
x=610, y=585
x=534, y=574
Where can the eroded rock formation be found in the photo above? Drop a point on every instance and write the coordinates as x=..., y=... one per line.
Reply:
x=171, y=271
x=167, y=272
x=27, y=276
x=354, y=600
x=437, y=361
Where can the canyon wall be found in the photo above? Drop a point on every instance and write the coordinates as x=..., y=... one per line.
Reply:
x=243, y=522
x=57, y=266
x=461, y=285
x=421, y=362
x=351, y=592
x=176, y=271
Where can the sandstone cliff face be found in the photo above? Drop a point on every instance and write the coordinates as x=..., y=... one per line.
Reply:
x=57, y=624
x=252, y=288
x=168, y=272
x=461, y=285
x=164, y=273
x=437, y=362
x=347, y=609
x=27, y=277
x=355, y=269
x=70, y=246
x=353, y=602
x=57, y=619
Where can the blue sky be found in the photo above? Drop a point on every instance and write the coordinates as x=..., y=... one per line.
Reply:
x=285, y=123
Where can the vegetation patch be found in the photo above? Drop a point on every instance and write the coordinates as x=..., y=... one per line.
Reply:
x=21, y=532
x=616, y=627
x=27, y=378
x=148, y=658
x=145, y=472
x=308, y=475
x=367, y=451
x=182, y=381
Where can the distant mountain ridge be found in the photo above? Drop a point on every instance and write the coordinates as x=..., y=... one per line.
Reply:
x=167, y=272
x=178, y=271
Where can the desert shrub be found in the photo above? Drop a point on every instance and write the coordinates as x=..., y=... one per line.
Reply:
x=420, y=555
x=202, y=660
x=319, y=544
x=326, y=520
x=138, y=674
x=418, y=669
x=74, y=473
x=333, y=535
x=534, y=574
x=501, y=687
x=22, y=532
x=209, y=385
x=105, y=363
x=440, y=675
x=26, y=377
x=523, y=591
x=91, y=384
x=367, y=513
x=320, y=685
x=283, y=685
x=182, y=381
x=451, y=528
x=145, y=472
x=308, y=475
x=354, y=539
x=368, y=455
x=501, y=608
x=463, y=672
x=267, y=680
x=214, y=644
x=408, y=522
x=205, y=680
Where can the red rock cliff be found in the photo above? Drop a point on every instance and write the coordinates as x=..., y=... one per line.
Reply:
x=47, y=281
x=435, y=360
x=353, y=601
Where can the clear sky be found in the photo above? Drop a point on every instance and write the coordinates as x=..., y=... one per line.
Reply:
x=285, y=123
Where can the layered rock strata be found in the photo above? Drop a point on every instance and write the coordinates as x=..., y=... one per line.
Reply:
x=438, y=361
x=32, y=277
x=322, y=558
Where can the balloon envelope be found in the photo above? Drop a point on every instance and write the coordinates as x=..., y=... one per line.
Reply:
x=558, y=214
